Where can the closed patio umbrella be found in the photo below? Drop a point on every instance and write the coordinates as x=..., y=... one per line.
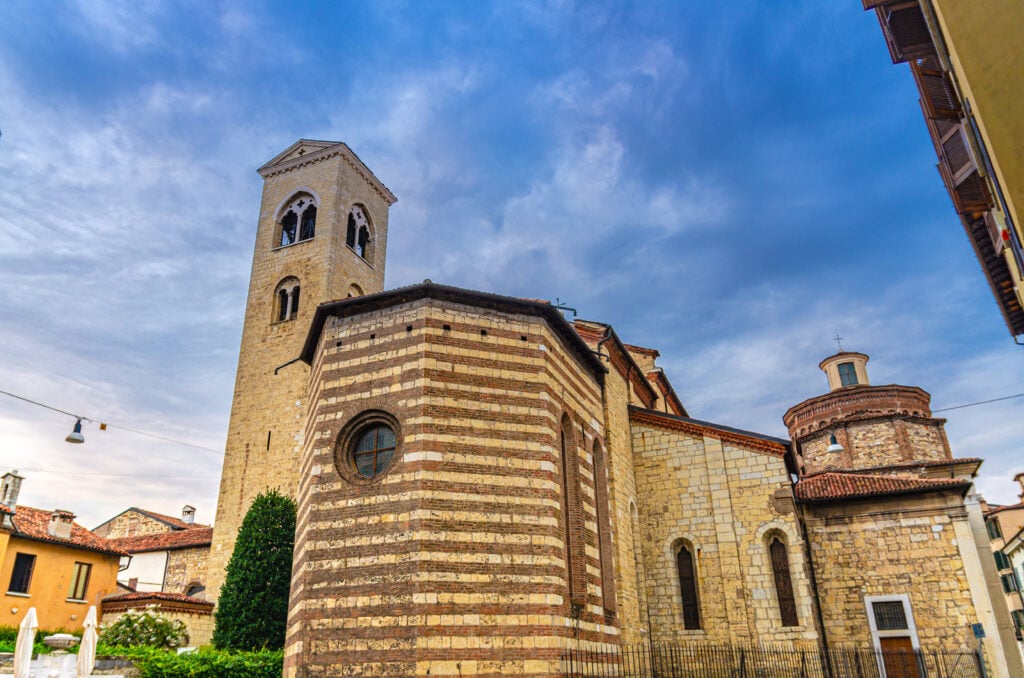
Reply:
x=23, y=646
x=87, y=650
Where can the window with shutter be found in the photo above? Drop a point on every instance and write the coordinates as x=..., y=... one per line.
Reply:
x=906, y=31
x=937, y=95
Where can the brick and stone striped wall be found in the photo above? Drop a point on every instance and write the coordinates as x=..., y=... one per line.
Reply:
x=455, y=560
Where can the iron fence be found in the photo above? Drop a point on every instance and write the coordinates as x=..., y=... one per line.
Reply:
x=698, y=660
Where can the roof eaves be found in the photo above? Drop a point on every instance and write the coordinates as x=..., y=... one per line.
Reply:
x=371, y=302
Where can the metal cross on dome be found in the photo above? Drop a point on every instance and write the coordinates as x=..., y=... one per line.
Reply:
x=839, y=341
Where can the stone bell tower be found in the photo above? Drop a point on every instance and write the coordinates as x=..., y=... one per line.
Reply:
x=322, y=236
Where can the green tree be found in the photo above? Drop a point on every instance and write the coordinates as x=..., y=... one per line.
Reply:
x=253, y=609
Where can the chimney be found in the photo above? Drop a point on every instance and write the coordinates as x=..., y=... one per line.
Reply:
x=60, y=524
x=188, y=514
x=10, y=488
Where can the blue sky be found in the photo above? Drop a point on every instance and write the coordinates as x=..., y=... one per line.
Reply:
x=727, y=182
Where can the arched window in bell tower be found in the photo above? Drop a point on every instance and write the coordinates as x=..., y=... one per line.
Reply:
x=298, y=219
x=357, y=234
x=286, y=299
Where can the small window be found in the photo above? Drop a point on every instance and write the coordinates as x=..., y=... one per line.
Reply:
x=1002, y=562
x=1010, y=583
x=21, y=576
x=783, y=582
x=890, y=615
x=79, y=581
x=286, y=300
x=688, y=588
x=847, y=374
x=308, y=227
x=296, y=228
x=373, y=450
x=195, y=590
x=288, y=225
x=993, y=529
x=357, y=235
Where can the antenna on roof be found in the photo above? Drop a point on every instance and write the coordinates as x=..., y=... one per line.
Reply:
x=562, y=307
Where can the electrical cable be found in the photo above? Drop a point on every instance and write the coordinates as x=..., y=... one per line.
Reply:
x=980, y=402
x=109, y=425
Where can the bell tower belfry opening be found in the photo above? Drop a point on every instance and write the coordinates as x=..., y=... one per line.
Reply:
x=321, y=236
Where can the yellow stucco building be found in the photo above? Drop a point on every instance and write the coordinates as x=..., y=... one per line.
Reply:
x=51, y=563
x=967, y=61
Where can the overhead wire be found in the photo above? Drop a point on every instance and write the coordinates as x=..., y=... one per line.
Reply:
x=109, y=425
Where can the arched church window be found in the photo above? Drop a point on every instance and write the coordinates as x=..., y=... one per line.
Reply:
x=783, y=582
x=604, y=529
x=308, y=223
x=286, y=299
x=288, y=225
x=687, y=571
x=296, y=228
x=357, y=234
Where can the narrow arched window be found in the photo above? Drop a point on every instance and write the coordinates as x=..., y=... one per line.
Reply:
x=574, y=565
x=783, y=582
x=286, y=299
x=604, y=530
x=288, y=226
x=350, y=232
x=364, y=238
x=282, y=304
x=308, y=227
x=688, y=588
x=358, y=236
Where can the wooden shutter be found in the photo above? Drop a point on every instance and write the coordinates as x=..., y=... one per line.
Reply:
x=959, y=171
x=938, y=98
x=906, y=31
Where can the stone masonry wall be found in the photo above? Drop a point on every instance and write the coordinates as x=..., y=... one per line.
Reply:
x=454, y=562
x=906, y=547
x=268, y=411
x=130, y=524
x=877, y=442
x=186, y=568
x=725, y=498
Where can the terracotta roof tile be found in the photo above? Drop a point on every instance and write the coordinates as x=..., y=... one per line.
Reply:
x=33, y=523
x=155, y=595
x=833, y=486
x=163, y=541
x=1005, y=507
x=176, y=523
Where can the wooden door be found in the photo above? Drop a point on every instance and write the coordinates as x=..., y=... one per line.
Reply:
x=898, y=658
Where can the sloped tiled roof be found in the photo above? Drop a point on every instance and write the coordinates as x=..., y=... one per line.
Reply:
x=835, y=486
x=164, y=541
x=1005, y=507
x=33, y=523
x=166, y=601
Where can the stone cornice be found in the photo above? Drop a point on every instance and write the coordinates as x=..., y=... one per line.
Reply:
x=273, y=168
x=857, y=403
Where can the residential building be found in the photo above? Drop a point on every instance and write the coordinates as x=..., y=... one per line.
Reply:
x=968, y=63
x=168, y=567
x=1005, y=526
x=50, y=562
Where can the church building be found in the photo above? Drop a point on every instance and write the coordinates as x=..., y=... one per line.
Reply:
x=483, y=484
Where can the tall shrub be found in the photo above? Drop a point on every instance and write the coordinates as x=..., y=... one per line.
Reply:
x=253, y=608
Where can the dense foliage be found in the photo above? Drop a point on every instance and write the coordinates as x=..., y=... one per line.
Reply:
x=147, y=627
x=210, y=663
x=253, y=608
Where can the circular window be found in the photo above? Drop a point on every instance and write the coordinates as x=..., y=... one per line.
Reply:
x=373, y=449
x=367, y=446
